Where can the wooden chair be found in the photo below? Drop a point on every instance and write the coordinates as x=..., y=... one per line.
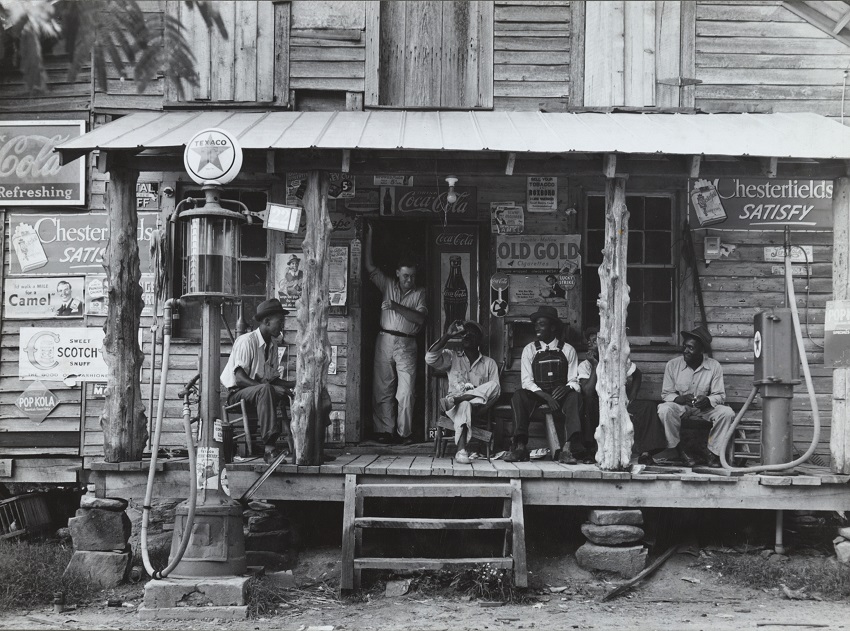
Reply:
x=232, y=415
x=441, y=439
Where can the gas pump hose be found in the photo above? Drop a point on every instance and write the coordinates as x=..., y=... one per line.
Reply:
x=187, y=426
x=798, y=334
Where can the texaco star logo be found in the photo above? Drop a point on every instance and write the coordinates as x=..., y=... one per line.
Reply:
x=757, y=344
x=212, y=155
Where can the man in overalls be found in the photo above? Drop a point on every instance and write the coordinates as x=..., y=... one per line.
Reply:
x=549, y=377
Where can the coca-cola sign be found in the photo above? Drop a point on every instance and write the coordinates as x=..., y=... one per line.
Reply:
x=431, y=200
x=30, y=171
x=455, y=239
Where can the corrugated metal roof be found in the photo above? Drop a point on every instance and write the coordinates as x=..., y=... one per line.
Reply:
x=799, y=135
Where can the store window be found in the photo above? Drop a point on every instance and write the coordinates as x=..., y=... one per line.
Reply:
x=253, y=268
x=651, y=271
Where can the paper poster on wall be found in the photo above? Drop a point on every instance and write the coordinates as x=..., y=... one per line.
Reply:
x=392, y=180
x=334, y=359
x=540, y=289
x=39, y=298
x=55, y=354
x=355, y=253
x=97, y=294
x=506, y=218
x=289, y=278
x=338, y=275
x=542, y=194
x=340, y=186
x=335, y=432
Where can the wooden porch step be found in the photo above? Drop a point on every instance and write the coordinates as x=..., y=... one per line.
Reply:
x=428, y=523
x=406, y=563
x=434, y=490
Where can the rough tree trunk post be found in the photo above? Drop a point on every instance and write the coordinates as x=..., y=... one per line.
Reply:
x=123, y=419
x=314, y=349
x=839, y=440
x=615, y=433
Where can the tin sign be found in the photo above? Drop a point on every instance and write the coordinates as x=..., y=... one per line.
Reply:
x=836, y=340
x=39, y=298
x=30, y=173
x=542, y=252
x=97, y=294
x=761, y=204
x=56, y=354
x=212, y=156
x=37, y=402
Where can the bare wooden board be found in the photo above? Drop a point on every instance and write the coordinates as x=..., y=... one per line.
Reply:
x=401, y=466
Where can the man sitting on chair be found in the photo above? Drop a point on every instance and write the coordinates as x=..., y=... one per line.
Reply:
x=473, y=379
x=251, y=373
x=549, y=369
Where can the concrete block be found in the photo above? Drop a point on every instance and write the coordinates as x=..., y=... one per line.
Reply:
x=100, y=530
x=104, y=569
x=844, y=532
x=196, y=592
x=625, y=561
x=194, y=613
x=611, y=535
x=613, y=517
x=106, y=503
x=842, y=552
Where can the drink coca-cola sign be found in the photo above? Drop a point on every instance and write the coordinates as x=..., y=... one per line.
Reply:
x=30, y=169
x=425, y=200
x=455, y=239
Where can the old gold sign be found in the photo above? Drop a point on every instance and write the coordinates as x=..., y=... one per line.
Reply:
x=556, y=252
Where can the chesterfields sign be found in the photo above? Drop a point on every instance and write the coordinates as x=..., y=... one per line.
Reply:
x=30, y=172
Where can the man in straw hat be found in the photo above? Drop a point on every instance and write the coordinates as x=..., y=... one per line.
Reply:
x=693, y=387
x=473, y=379
x=251, y=373
x=549, y=369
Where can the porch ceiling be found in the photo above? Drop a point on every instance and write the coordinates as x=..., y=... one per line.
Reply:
x=796, y=135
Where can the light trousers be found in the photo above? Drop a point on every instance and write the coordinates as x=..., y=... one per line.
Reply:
x=720, y=416
x=394, y=379
x=461, y=414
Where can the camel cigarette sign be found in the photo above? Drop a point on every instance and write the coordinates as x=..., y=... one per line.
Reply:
x=30, y=172
x=56, y=354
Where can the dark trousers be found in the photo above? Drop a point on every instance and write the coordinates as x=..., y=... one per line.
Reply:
x=567, y=420
x=649, y=433
x=263, y=399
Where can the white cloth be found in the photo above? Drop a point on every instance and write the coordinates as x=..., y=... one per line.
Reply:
x=531, y=350
x=249, y=354
x=584, y=370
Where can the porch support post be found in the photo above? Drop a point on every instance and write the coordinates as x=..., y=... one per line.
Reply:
x=123, y=418
x=615, y=433
x=839, y=441
x=312, y=402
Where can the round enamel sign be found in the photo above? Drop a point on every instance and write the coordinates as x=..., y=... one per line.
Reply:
x=212, y=156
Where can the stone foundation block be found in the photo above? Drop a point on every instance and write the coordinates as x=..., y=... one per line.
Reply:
x=106, y=503
x=104, y=569
x=625, y=561
x=842, y=552
x=99, y=530
x=274, y=541
x=611, y=535
x=207, y=592
x=616, y=517
x=271, y=561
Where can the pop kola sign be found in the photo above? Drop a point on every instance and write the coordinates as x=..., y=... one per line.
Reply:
x=30, y=170
x=552, y=252
x=37, y=402
x=760, y=204
x=56, y=354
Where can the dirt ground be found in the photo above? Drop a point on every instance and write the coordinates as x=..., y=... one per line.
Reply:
x=685, y=594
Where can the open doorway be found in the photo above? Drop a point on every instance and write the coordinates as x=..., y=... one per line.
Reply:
x=393, y=238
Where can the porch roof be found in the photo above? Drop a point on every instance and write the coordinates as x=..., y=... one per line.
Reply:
x=792, y=135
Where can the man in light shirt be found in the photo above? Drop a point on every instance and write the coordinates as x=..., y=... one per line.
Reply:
x=403, y=313
x=549, y=370
x=693, y=386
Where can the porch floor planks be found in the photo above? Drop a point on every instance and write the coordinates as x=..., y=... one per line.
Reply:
x=554, y=470
x=379, y=466
x=335, y=467
x=484, y=469
x=422, y=465
x=401, y=466
x=359, y=464
x=528, y=469
x=442, y=466
x=505, y=469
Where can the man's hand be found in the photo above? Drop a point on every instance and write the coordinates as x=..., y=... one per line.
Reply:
x=684, y=399
x=560, y=393
x=456, y=328
x=701, y=402
x=389, y=305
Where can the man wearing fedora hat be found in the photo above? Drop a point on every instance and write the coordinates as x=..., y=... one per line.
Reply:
x=251, y=373
x=693, y=386
x=549, y=369
x=473, y=379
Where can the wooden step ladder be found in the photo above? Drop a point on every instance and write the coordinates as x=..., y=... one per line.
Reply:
x=747, y=440
x=354, y=521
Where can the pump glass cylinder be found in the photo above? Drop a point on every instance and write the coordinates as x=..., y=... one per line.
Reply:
x=210, y=246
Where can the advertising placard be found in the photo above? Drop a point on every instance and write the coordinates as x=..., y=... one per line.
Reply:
x=53, y=244
x=539, y=289
x=97, y=294
x=506, y=218
x=836, y=339
x=30, y=173
x=147, y=195
x=542, y=252
x=340, y=186
x=58, y=353
x=760, y=204
x=39, y=298
x=542, y=194
x=455, y=289
x=37, y=402
x=428, y=201
x=289, y=278
x=338, y=275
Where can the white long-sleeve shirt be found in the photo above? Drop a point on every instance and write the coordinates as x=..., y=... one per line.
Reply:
x=531, y=350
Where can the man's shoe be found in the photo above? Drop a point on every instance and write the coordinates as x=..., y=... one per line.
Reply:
x=270, y=456
x=713, y=460
x=384, y=438
x=566, y=457
x=646, y=459
x=462, y=457
x=406, y=440
x=687, y=459
x=518, y=454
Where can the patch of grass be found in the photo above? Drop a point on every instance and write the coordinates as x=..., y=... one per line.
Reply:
x=32, y=571
x=265, y=598
x=819, y=576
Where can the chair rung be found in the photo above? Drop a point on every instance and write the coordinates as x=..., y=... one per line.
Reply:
x=421, y=523
x=747, y=441
x=746, y=456
x=374, y=563
x=433, y=490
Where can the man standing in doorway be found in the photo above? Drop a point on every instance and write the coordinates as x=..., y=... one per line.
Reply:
x=693, y=387
x=403, y=313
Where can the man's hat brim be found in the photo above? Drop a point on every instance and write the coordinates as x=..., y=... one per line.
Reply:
x=269, y=308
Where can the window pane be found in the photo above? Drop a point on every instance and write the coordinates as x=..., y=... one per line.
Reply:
x=249, y=308
x=635, y=254
x=633, y=317
x=635, y=206
x=590, y=292
x=252, y=276
x=254, y=200
x=595, y=243
x=252, y=242
x=658, y=318
x=659, y=247
x=658, y=212
x=596, y=212
x=634, y=277
x=658, y=285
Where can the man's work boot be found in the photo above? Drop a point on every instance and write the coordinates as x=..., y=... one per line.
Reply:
x=687, y=459
x=518, y=454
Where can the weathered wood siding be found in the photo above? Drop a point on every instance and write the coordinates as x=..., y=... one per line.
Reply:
x=531, y=53
x=760, y=57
